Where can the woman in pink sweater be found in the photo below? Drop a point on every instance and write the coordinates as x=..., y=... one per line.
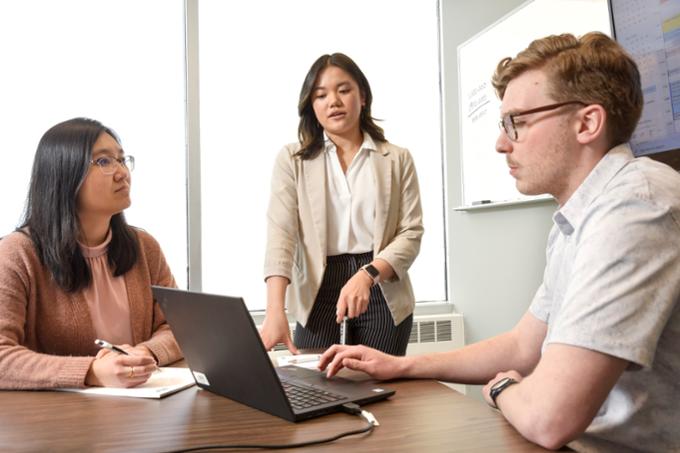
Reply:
x=76, y=271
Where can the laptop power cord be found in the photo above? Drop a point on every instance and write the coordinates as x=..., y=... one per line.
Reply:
x=349, y=408
x=354, y=409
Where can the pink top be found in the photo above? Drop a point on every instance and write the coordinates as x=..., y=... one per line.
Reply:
x=107, y=297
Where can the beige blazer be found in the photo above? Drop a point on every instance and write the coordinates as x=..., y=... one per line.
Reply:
x=296, y=226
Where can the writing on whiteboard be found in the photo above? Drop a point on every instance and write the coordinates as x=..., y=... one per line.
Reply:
x=478, y=101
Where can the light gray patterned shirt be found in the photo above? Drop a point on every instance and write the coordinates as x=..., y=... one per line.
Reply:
x=612, y=284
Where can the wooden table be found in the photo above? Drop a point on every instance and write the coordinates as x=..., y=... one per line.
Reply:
x=423, y=416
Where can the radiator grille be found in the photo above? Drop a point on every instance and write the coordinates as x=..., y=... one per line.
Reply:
x=425, y=331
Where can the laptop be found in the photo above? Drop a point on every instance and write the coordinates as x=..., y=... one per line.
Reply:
x=224, y=351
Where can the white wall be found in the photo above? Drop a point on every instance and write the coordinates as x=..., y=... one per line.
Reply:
x=496, y=255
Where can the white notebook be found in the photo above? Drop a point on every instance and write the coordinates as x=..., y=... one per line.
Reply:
x=161, y=383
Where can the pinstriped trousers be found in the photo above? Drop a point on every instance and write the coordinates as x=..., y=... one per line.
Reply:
x=375, y=328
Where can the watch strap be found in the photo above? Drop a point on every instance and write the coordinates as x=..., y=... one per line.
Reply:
x=498, y=387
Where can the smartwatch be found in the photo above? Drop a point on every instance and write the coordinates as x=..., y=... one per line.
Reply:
x=372, y=272
x=498, y=387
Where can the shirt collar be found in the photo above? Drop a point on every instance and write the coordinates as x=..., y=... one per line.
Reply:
x=569, y=216
x=368, y=143
x=97, y=250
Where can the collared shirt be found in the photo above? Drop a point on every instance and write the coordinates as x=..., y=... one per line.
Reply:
x=612, y=284
x=107, y=297
x=350, y=201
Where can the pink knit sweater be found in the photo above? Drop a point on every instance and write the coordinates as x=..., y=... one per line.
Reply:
x=46, y=334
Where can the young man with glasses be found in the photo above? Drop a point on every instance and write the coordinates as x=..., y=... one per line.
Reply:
x=594, y=361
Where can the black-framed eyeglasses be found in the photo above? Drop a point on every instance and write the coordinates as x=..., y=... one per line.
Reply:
x=107, y=164
x=507, y=123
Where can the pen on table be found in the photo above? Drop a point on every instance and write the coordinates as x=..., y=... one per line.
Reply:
x=109, y=346
x=311, y=358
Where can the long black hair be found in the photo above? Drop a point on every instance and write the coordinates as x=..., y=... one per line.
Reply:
x=61, y=164
x=310, y=131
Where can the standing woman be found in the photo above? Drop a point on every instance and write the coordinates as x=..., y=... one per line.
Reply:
x=344, y=221
x=76, y=271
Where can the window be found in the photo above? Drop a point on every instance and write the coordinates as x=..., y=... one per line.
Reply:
x=98, y=59
x=253, y=59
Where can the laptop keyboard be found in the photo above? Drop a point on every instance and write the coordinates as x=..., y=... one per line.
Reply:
x=305, y=397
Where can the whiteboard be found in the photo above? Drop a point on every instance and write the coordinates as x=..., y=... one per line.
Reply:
x=485, y=174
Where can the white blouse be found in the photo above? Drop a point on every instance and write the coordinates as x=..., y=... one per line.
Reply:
x=350, y=201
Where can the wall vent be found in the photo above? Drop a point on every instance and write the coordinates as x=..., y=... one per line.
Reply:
x=437, y=329
x=437, y=333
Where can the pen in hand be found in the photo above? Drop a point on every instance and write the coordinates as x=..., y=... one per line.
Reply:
x=343, y=331
x=111, y=347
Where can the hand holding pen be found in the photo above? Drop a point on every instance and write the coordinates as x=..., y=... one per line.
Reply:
x=111, y=347
x=119, y=367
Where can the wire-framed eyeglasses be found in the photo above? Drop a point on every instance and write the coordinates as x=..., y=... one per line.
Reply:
x=507, y=123
x=108, y=164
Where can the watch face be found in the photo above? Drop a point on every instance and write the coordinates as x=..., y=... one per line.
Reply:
x=498, y=387
x=500, y=383
x=372, y=270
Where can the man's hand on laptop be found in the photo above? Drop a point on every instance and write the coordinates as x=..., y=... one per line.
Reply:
x=361, y=358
